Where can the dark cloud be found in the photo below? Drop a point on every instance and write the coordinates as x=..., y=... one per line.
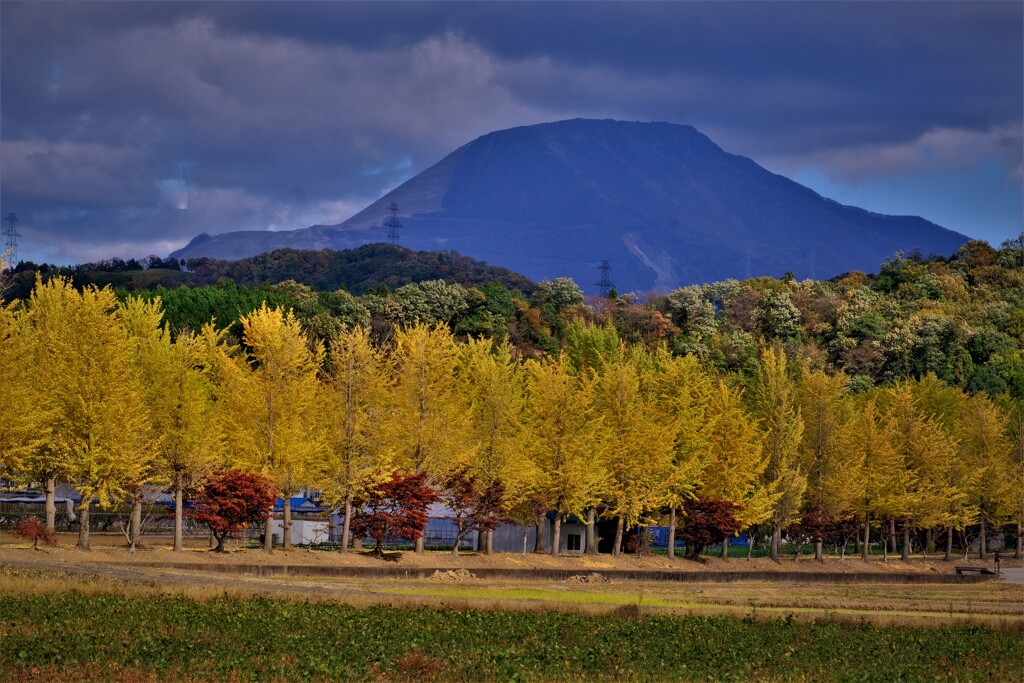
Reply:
x=134, y=126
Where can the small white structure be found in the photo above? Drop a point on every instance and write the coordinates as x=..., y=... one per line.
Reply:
x=304, y=531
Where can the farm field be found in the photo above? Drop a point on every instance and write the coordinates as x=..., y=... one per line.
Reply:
x=136, y=617
x=133, y=636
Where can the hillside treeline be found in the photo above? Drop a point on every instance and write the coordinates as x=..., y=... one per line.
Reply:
x=107, y=396
x=960, y=318
x=359, y=270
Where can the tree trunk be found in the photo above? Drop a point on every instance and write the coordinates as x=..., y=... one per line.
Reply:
x=725, y=548
x=556, y=534
x=179, y=536
x=1018, y=551
x=268, y=535
x=929, y=542
x=83, y=529
x=591, y=548
x=219, y=541
x=672, y=534
x=619, y=528
x=949, y=545
x=776, y=541
x=455, y=548
x=135, y=524
x=346, y=526
x=51, y=507
x=892, y=536
x=983, y=539
x=856, y=543
x=906, y=542
x=867, y=538
x=489, y=546
x=750, y=545
x=286, y=525
x=420, y=545
x=542, y=532
x=817, y=550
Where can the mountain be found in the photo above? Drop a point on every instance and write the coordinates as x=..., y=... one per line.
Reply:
x=661, y=202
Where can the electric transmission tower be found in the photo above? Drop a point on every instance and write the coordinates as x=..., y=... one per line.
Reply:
x=393, y=224
x=11, y=237
x=605, y=284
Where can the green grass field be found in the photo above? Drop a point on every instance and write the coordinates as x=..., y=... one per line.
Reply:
x=75, y=636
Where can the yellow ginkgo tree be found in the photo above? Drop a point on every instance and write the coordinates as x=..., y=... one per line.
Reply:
x=356, y=408
x=269, y=412
x=98, y=423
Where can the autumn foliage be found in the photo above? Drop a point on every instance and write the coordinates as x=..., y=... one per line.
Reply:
x=708, y=521
x=231, y=501
x=475, y=506
x=394, y=509
x=34, y=529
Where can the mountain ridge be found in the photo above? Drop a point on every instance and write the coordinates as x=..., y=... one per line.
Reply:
x=661, y=201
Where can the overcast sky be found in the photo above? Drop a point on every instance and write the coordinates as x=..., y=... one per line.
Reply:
x=128, y=128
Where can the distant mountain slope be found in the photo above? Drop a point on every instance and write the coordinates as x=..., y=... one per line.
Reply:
x=661, y=202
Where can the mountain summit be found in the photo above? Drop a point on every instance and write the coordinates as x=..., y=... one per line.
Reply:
x=661, y=202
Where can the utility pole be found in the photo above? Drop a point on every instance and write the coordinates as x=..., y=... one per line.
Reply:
x=393, y=224
x=11, y=237
x=605, y=284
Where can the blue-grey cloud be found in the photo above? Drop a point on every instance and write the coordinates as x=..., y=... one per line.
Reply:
x=129, y=127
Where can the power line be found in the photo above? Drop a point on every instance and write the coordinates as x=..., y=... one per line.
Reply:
x=392, y=223
x=605, y=284
x=11, y=237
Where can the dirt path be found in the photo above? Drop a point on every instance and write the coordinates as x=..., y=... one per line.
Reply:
x=917, y=602
x=1013, y=575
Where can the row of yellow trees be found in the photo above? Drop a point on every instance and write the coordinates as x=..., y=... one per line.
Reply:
x=98, y=393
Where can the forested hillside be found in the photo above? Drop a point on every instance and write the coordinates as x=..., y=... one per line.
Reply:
x=355, y=270
x=823, y=409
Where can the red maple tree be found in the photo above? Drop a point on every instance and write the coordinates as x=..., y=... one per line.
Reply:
x=230, y=501
x=396, y=509
x=474, y=507
x=34, y=529
x=707, y=521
